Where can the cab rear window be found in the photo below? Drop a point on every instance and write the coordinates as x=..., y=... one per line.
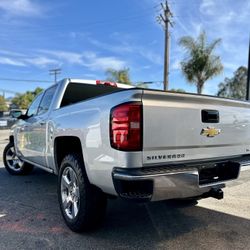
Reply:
x=78, y=92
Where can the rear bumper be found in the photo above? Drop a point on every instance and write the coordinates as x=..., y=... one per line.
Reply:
x=175, y=181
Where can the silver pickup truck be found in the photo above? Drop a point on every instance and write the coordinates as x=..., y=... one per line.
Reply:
x=107, y=140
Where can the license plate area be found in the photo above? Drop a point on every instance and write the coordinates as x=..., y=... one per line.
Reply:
x=218, y=172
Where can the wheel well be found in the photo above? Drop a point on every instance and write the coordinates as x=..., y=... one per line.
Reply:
x=65, y=145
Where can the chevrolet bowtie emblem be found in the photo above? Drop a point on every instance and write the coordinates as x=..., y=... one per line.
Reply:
x=210, y=132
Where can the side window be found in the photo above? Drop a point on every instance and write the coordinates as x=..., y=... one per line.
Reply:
x=34, y=106
x=46, y=101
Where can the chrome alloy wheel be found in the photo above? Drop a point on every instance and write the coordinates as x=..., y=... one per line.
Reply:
x=70, y=193
x=12, y=160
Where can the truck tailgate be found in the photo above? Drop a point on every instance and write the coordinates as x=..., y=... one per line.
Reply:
x=173, y=129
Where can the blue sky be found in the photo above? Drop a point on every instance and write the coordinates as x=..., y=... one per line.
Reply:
x=84, y=38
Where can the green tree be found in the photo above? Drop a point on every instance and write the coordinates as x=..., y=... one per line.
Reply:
x=121, y=76
x=201, y=64
x=37, y=91
x=24, y=100
x=178, y=90
x=3, y=106
x=234, y=87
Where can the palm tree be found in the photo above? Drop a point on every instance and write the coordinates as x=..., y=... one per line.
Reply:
x=121, y=76
x=201, y=64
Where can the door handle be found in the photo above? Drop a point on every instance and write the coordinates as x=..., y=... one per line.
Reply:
x=210, y=116
x=24, y=128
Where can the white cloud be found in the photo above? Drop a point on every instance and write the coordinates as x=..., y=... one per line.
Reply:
x=42, y=61
x=45, y=58
x=176, y=65
x=87, y=59
x=18, y=59
x=20, y=7
x=223, y=13
x=182, y=26
x=211, y=87
x=196, y=28
x=207, y=7
x=12, y=62
x=102, y=63
x=70, y=57
x=10, y=53
x=90, y=76
x=230, y=66
x=146, y=67
x=123, y=47
x=227, y=18
x=126, y=47
x=151, y=56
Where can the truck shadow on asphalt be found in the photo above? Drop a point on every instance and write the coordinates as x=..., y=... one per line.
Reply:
x=29, y=207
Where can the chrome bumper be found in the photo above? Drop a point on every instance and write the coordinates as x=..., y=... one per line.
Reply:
x=173, y=182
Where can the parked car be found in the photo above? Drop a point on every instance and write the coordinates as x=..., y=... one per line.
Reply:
x=8, y=119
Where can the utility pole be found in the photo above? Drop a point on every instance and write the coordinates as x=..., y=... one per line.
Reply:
x=165, y=20
x=248, y=75
x=55, y=72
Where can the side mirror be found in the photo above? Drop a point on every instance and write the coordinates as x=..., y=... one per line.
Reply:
x=16, y=114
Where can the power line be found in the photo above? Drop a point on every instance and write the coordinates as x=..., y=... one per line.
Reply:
x=9, y=91
x=165, y=20
x=55, y=72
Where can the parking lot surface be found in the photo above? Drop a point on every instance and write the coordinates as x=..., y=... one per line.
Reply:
x=4, y=134
x=30, y=219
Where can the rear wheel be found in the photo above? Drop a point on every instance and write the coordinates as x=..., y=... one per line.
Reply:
x=13, y=164
x=82, y=205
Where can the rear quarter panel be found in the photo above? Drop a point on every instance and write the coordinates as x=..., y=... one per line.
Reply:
x=89, y=121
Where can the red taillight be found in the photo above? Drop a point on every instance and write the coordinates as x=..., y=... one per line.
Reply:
x=112, y=84
x=126, y=127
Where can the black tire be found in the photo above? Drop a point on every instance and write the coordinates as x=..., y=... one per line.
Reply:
x=13, y=164
x=90, y=201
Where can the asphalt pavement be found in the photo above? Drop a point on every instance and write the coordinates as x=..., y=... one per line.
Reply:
x=30, y=219
x=4, y=134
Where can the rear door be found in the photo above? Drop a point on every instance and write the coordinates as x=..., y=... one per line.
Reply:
x=175, y=129
x=24, y=141
x=33, y=132
x=38, y=129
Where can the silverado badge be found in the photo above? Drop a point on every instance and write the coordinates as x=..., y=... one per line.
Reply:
x=210, y=131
